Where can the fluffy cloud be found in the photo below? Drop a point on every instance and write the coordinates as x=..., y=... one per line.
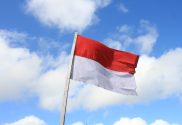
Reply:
x=29, y=120
x=18, y=69
x=162, y=122
x=50, y=85
x=143, y=38
x=133, y=121
x=32, y=120
x=24, y=73
x=78, y=123
x=127, y=121
x=99, y=124
x=66, y=14
x=140, y=121
x=148, y=40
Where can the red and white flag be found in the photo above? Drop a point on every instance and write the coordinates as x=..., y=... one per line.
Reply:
x=97, y=64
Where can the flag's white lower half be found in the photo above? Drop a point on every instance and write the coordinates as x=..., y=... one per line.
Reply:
x=90, y=71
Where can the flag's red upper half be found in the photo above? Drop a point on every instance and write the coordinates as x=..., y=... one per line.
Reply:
x=109, y=58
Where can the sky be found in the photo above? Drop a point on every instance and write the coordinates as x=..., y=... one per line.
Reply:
x=35, y=42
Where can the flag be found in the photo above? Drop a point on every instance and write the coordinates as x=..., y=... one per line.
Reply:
x=97, y=64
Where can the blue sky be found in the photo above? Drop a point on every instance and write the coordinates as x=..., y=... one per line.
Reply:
x=35, y=41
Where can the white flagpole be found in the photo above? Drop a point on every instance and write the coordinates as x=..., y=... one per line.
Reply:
x=65, y=97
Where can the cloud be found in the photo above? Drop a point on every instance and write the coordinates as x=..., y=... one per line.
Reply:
x=50, y=84
x=162, y=122
x=81, y=123
x=123, y=8
x=99, y=124
x=78, y=123
x=41, y=45
x=66, y=14
x=148, y=40
x=29, y=120
x=133, y=121
x=127, y=121
x=33, y=120
x=12, y=36
x=140, y=121
x=142, y=38
x=26, y=74
x=18, y=69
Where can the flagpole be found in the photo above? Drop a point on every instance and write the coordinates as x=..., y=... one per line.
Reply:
x=66, y=90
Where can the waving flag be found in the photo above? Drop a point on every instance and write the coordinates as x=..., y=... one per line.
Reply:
x=97, y=64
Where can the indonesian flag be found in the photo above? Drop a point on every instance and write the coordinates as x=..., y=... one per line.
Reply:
x=97, y=64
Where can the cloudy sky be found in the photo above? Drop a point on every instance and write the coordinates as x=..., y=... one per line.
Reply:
x=35, y=41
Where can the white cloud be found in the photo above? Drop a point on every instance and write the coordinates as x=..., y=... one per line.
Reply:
x=148, y=40
x=18, y=69
x=29, y=120
x=140, y=121
x=143, y=38
x=164, y=72
x=78, y=123
x=127, y=121
x=81, y=123
x=12, y=36
x=50, y=84
x=24, y=73
x=134, y=121
x=66, y=14
x=33, y=120
x=162, y=122
x=123, y=8
x=99, y=124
